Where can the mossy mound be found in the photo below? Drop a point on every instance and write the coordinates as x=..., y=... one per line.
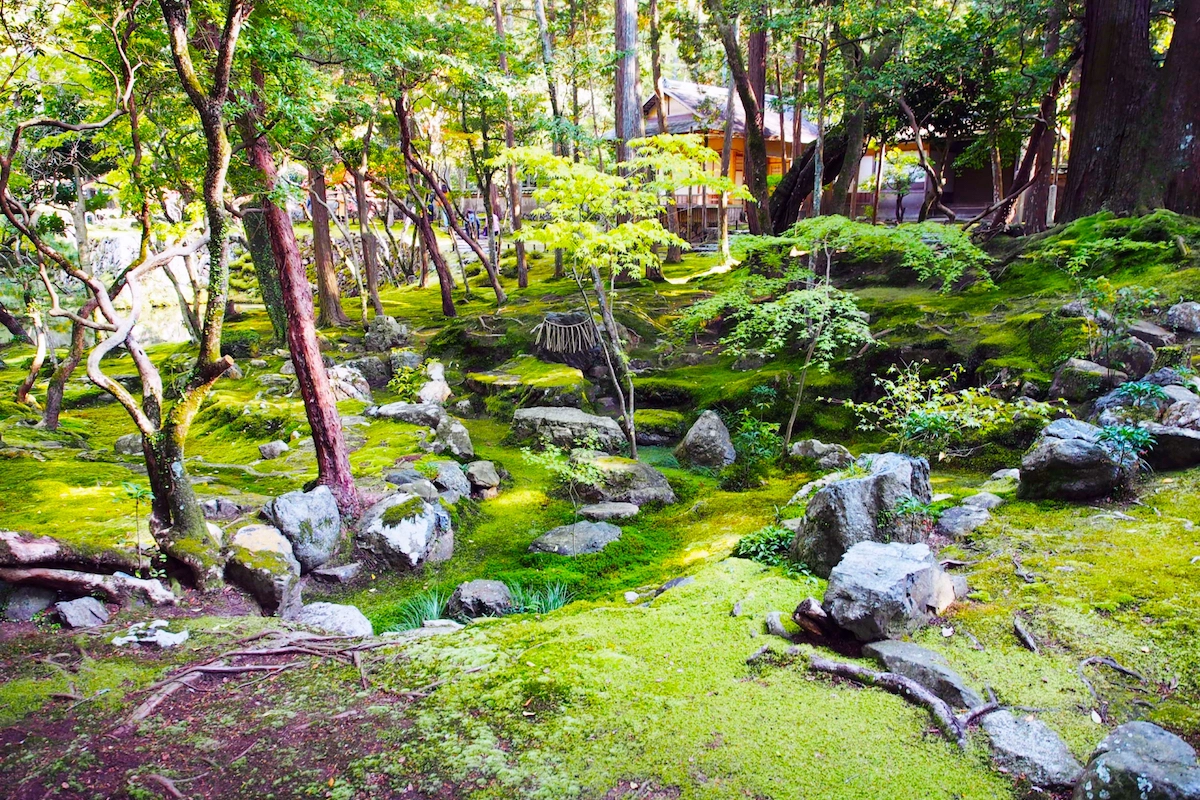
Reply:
x=527, y=381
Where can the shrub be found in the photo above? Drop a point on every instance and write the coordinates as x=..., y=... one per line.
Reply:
x=1126, y=444
x=406, y=382
x=768, y=545
x=240, y=343
x=1144, y=396
x=757, y=444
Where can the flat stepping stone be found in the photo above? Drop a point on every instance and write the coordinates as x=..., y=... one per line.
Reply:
x=927, y=668
x=606, y=511
x=580, y=538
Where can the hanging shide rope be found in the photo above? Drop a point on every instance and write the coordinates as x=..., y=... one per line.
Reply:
x=575, y=337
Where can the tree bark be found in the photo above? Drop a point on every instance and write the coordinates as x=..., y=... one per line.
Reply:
x=66, y=367
x=628, y=107
x=366, y=238
x=547, y=41
x=726, y=162
x=35, y=364
x=1037, y=201
x=258, y=242
x=320, y=405
x=798, y=183
x=328, y=291
x=14, y=326
x=674, y=252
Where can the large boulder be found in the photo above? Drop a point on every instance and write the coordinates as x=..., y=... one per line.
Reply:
x=707, y=443
x=405, y=531
x=26, y=602
x=480, y=598
x=827, y=456
x=450, y=477
x=1174, y=447
x=1130, y=355
x=567, y=428
x=261, y=562
x=428, y=414
x=621, y=480
x=310, y=521
x=854, y=510
x=482, y=475
x=1185, y=316
x=1070, y=463
x=385, y=333
x=128, y=445
x=1027, y=747
x=1151, y=334
x=376, y=369
x=927, y=668
x=335, y=618
x=1140, y=761
x=884, y=591
x=1079, y=380
x=577, y=539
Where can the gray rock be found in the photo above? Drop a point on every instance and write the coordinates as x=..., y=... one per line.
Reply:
x=961, y=520
x=483, y=475
x=480, y=598
x=567, y=428
x=623, y=480
x=1006, y=474
x=86, y=612
x=436, y=390
x=451, y=478
x=927, y=668
x=1165, y=377
x=452, y=437
x=1151, y=334
x=335, y=618
x=707, y=443
x=1028, y=747
x=985, y=500
x=428, y=414
x=258, y=363
x=220, y=508
x=348, y=383
x=385, y=333
x=1140, y=761
x=854, y=510
x=1069, y=463
x=405, y=359
x=288, y=368
x=421, y=487
x=261, y=562
x=408, y=537
x=1185, y=316
x=1174, y=448
x=310, y=521
x=26, y=602
x=129, y=445
x=273, y=449
x=827, y=456
x=400, y=476
x=881, y=591
x=343, y=574
x=376, y=369
x=577, y=539
x=1080, y=309
x=606, y=511
x=1180, y=394
x=1079, y=380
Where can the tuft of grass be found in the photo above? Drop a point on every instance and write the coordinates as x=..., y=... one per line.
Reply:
x=416, y=610
x=543, y=600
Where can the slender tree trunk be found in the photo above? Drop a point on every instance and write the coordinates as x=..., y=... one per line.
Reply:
x=547, y=41
x=798, y=94
x=1037, y=201
x=819, y=160
x=35, y=364
x=366, y=238
x=320, y=405
x=726, y=163
x=514, y=186
x=62, y=374
x=674, y=252
x=79, y=213
x=259, y=243
x=328, y=291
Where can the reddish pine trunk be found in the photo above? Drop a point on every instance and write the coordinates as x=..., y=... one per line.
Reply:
x=319, y=403
x=327, y=283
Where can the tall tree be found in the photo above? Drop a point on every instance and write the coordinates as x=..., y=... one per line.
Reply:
x=625, y=93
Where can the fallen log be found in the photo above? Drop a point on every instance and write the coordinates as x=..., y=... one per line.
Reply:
x=115, y=587
x=951, y=726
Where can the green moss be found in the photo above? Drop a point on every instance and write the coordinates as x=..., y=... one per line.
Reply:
x=404, y=510
x=660, y=421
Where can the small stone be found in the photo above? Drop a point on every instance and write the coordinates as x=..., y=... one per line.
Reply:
x=1140, y=761
x=421, y=487
x=335, y=618
x=129, y=445
x=985, y=500
x=86, y=612
x=483, y=475
x=707, y=443
x=1185, y=316
x=451, y=478
x=1028, y=747
x=1006, y=474
x=480, y=598
x=961, y=520
x=927, y=668
x=343, y=574
x=827, y=456
x=675, y=583
x=577, y=539
x=273, y=449
x=632, y=597
x=606, y=511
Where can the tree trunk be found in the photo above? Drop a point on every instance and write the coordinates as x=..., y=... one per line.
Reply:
x=818, y=176
x=674, y=252
x=755, y=163
x=628, y=107
x=58, y=381
x=1108, y=140
x=79, y=213
x=547, y=41
x=259, y=244
x=370, y=258
x=328, y=291
x=514, y=187
x=35, y=364
x=1037, y=201
x=798, y=183
x=855, y=125
x=1174, y=180
x=320, y=405
x=726, y=163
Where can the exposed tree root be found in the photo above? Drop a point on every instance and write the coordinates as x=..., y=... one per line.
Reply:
x=1024, y=636
x=950, y=725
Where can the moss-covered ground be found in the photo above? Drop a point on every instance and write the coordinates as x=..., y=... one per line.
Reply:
x=604, y=698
